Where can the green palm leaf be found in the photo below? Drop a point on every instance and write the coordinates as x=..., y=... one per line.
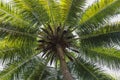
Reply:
x=35, y=33
x=82, y=68
x=103, y=29
x=106, y=34
x=71, y=11
x=16, y=68
x=104, y=56
x=98, y=12
x=9, y=15
x=33, y=10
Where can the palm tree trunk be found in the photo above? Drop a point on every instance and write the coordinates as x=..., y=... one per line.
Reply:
x=64, y=69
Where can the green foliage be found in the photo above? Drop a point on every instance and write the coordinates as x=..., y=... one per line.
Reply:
x=103, y=56
x=98, y=13
x=83, y=68
x=71, y=11
x=30, y=31
x=105, y=34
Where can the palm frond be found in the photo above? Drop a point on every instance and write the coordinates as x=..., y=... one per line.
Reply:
x=12, y=49
x=52, y=7
x=87, y=71
x=65, y=7
x=98, y=13
x=25, y=11
x=33, y=9
x=104, y=35
x=102, y=40
x=71, y=11
x=13, y=23
x=9, y=15
x=34, y=33
x=103, y=29
x=109, y=57
x=14, y=71
x=8, y=30
x=41, y=70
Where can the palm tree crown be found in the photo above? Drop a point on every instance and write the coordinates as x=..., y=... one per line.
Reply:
x=37, y=33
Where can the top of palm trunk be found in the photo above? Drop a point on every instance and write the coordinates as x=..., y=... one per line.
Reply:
x=50, y=37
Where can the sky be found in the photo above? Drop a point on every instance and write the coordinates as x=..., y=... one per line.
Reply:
x=113, y=19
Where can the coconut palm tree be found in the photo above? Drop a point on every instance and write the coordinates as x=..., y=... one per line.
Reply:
x=58, y=39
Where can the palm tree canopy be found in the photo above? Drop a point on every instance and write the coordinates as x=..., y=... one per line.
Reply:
x=37, y=33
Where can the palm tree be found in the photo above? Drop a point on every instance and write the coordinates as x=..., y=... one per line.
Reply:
x=78, y=41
